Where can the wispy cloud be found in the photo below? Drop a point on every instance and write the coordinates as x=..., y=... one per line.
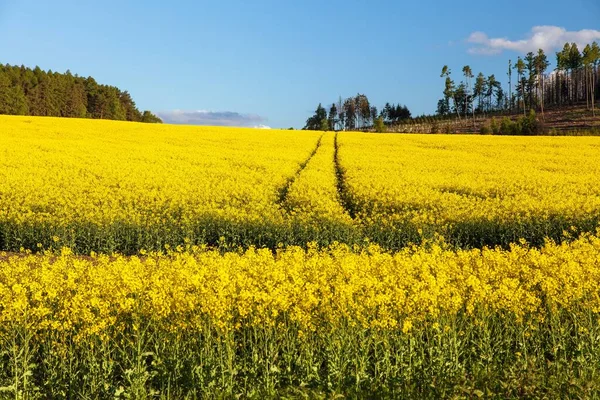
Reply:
x=546, y=37
x=211, y=118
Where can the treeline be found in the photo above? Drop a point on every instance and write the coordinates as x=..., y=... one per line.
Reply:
x=26, y=91
x=356, y=113
x=531, y=85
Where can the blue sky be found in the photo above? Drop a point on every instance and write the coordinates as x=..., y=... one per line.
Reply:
x=271, y=62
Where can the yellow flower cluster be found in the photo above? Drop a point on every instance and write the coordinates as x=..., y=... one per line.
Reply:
x=109, y=186
x=444, y=179
x=252, y=255
x=67, y=171
x=309, y=289
x=314, y=194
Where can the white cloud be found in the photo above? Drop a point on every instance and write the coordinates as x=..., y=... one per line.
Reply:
x=548, y=38
x=261, y=126
x=210, y=118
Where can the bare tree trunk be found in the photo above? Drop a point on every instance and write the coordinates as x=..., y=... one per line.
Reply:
x=542, y=95
x=568, y=79
x=522, y=96
x=551, y=90
x=557, y=90
x=593, y=92
x=509, y=89
x=473, y=109
x=467, y=101
x=456, y=106
x=587, y=89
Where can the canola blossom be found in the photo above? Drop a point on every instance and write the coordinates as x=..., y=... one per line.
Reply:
x=473, y=190
x=309, y=288
x=155, y=261
x=258, y=319
x=107, y=185
x=314, y=195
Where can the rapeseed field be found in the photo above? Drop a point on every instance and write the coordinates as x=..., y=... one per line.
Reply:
x=149, y=261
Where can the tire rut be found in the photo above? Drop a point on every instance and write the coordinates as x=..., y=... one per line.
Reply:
x=342, y=188
x=283, y=192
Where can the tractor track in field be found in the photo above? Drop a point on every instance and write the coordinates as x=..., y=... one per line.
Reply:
x=283, y=192
x=340, y=177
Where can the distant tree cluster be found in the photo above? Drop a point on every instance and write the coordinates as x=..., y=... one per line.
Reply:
x=575, y=80
x=524, y=125
x=356, y=113
x=26, y=91
x=318, y=120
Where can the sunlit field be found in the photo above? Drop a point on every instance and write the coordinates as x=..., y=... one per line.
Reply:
x=106, y=186
x=473, y=190
x=160, y=261
x=109, y=186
